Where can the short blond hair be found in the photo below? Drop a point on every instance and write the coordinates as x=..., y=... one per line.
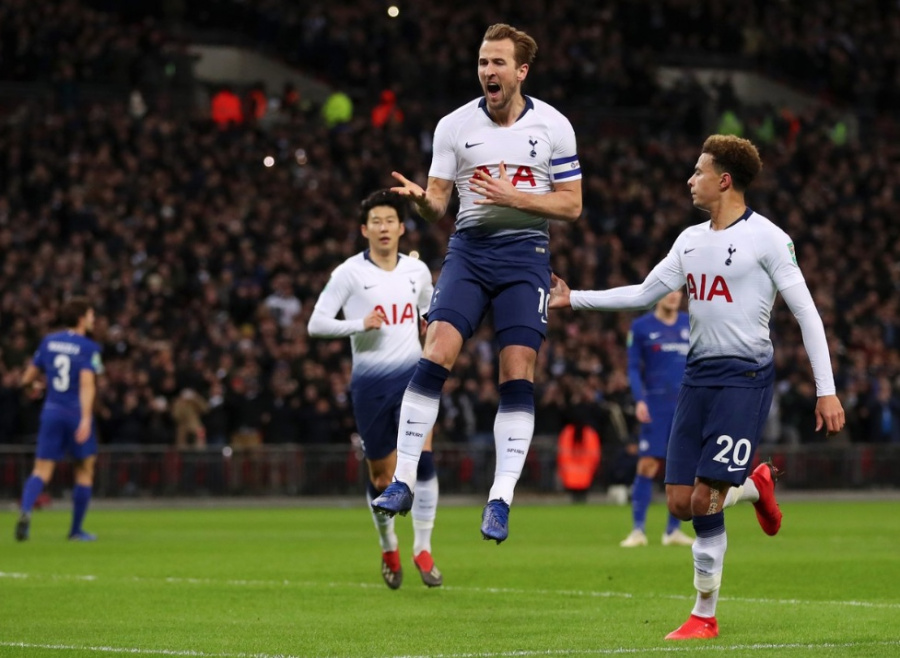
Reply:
x=525, y=46
x=735, y=155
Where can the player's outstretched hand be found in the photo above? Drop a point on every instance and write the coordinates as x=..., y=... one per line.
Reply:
x=829, y=414
x=496, y=191
x=559, y=293
x=374, y=320
x=409, y=189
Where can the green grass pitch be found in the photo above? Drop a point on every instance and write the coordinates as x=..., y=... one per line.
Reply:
x=242, y=583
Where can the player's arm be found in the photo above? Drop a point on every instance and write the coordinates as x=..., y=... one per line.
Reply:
x=623, y=298
x=87, y=392
x=29, y=376
x=431, y=203
x=635, y=376
x=323, y=323
x=563, y=202
x=829, y=412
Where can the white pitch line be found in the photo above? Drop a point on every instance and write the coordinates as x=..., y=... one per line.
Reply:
x=678, y=649
x=144, y=652
x=174, y=580
x=692, y=649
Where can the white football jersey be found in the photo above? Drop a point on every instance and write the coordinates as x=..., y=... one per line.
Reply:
x=538, y=149
x=358, y=286
x=731, y=278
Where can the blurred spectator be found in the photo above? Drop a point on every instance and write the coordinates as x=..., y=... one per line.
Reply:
x=387, y=110
x=283, y=304
x=187, y=412
x=225, y=108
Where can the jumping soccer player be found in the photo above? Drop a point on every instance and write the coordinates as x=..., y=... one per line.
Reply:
x=513, y=161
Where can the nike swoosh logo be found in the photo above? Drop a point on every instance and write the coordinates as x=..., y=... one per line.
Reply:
x=735, y=470
x=687, y=251
x=416, y=422
x=372, y=286
x=468, y=146
x=653, y=335
x=517, y=439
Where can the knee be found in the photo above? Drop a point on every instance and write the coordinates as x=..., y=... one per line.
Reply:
x=679, y=507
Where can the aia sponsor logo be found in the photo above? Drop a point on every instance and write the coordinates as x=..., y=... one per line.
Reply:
x=708, y=289
x=393, y=314
x=523, y=175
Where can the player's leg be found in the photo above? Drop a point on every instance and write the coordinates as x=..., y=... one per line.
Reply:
x=457, y=307
x=81, y=498
x=85, y=455
x=50, y=449
x=376, y=414
x=709, y=559
x=424, y=511
x=418, y=414
x=520, y=304
x=380, y=473
x=733, y=422
x=34, y=485
x=689, y=497
x=641, y=495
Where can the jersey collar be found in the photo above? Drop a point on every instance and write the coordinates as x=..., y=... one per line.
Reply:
x=745, y=216
x=529, y=105
x=368, y=257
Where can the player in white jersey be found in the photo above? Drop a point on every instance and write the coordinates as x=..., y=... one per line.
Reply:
x=514, y=163
x=383, y=295
x=732, y=267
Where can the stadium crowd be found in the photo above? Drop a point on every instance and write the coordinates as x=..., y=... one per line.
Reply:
x=204, y=262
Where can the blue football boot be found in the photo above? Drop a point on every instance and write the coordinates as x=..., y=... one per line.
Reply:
x=396, y=499
x=495, y=520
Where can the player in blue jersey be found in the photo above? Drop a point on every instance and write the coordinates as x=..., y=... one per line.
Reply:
x=71, y=362
x=383, y=295
x=514, y=163
x=732, y=267
x=657, y=351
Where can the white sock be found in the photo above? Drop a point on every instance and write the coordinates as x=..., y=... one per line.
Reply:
x=705, y=606
x=424, y=510
x=418, y=415
x=746, y=491
x=385, y=527
x=709, y=562
x=512, y=437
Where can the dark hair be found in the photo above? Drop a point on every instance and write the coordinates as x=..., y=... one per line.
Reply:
x=735, y=155
x=73, y=309
x=525, y=46
x=382, y=198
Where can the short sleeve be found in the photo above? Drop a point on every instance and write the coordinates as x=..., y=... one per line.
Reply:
x=443, y=160
x=564, y=164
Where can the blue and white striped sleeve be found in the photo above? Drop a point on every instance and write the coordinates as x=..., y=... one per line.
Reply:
x=564, y=165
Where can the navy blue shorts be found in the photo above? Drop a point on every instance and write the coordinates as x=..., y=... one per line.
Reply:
x=715, y=433
x=654, y=436
x=507, y=274
x=377, y=414
x=56, y=436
